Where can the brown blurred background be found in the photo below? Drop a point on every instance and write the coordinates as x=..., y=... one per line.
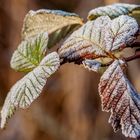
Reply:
x=69, y=108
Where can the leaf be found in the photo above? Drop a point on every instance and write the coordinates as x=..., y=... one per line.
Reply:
x=92, y=65
x=120, y=32
x=29, y=53
x=119, y=97
x=26, y=90
x=57, y=23
x=85, y=41
x=113, y=10
x=7, y=111
x=100, y=39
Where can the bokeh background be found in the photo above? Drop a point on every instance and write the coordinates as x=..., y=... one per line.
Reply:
x=69, y=107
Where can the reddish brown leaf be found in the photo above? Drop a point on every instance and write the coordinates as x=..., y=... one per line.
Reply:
x=119, y=97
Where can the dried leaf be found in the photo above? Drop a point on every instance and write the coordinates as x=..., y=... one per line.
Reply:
x=57, y=23
x=120, y=98
x=100, y=39
x=113, y=10
x=29, y=53
x=26, y=90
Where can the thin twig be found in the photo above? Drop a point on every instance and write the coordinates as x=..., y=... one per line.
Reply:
x=134, y=45
x=132, y=58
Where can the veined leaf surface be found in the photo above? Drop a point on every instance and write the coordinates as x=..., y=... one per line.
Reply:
x=29, y=53
x=119, y=97
x=114, y=10
x=26, y=90
x=100, y=39
x=57, y=23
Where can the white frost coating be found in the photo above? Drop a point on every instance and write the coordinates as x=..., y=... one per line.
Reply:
x=31, y=13
x=7, y=111
x=87, y=39
x=113, y=10
x=92, y=65
x=119, y=97
x=50, y=21
x=99, y=38
x=48, y=11
x=26, y=90
x=29, y=53
x=120, y=31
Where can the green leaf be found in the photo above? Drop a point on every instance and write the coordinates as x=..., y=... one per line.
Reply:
x=114, y=10
x=100, y=39
x=26, y=90
x=29, y=53
x=57, y=23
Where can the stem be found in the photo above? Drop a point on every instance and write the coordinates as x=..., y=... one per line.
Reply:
x=133, y=57
x=78, y=61
x=130, y=58
x=134, y=45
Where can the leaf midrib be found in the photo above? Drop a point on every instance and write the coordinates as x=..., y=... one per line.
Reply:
x=28, y=59
x=92, y=42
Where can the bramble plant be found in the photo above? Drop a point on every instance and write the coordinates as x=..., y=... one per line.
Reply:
x=98, y=45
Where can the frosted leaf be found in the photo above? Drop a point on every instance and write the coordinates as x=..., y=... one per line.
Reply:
x=113, y=10
x=29, y=53
x=119, y=97
x=7, y=111
x=85, y=41
x=92, y=65
x=100, y=39
x=26, y=90
x=57, y=23
x=120, y=32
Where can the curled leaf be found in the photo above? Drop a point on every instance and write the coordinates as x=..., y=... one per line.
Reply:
x=29, y=53
x=113, y=10
x=57, y=23
x=119, y=97
x=100, y=39
x=26, y=90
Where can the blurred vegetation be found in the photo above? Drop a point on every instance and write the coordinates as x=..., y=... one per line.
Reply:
x=69, y=108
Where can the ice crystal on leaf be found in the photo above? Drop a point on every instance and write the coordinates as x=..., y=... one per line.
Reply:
x=26, y=90
x=114, y=10
x=101, y=39
x=97, y=45
x=119, y=97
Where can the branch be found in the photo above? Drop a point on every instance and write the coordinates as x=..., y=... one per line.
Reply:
x=133, y=57
x=134, y=45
